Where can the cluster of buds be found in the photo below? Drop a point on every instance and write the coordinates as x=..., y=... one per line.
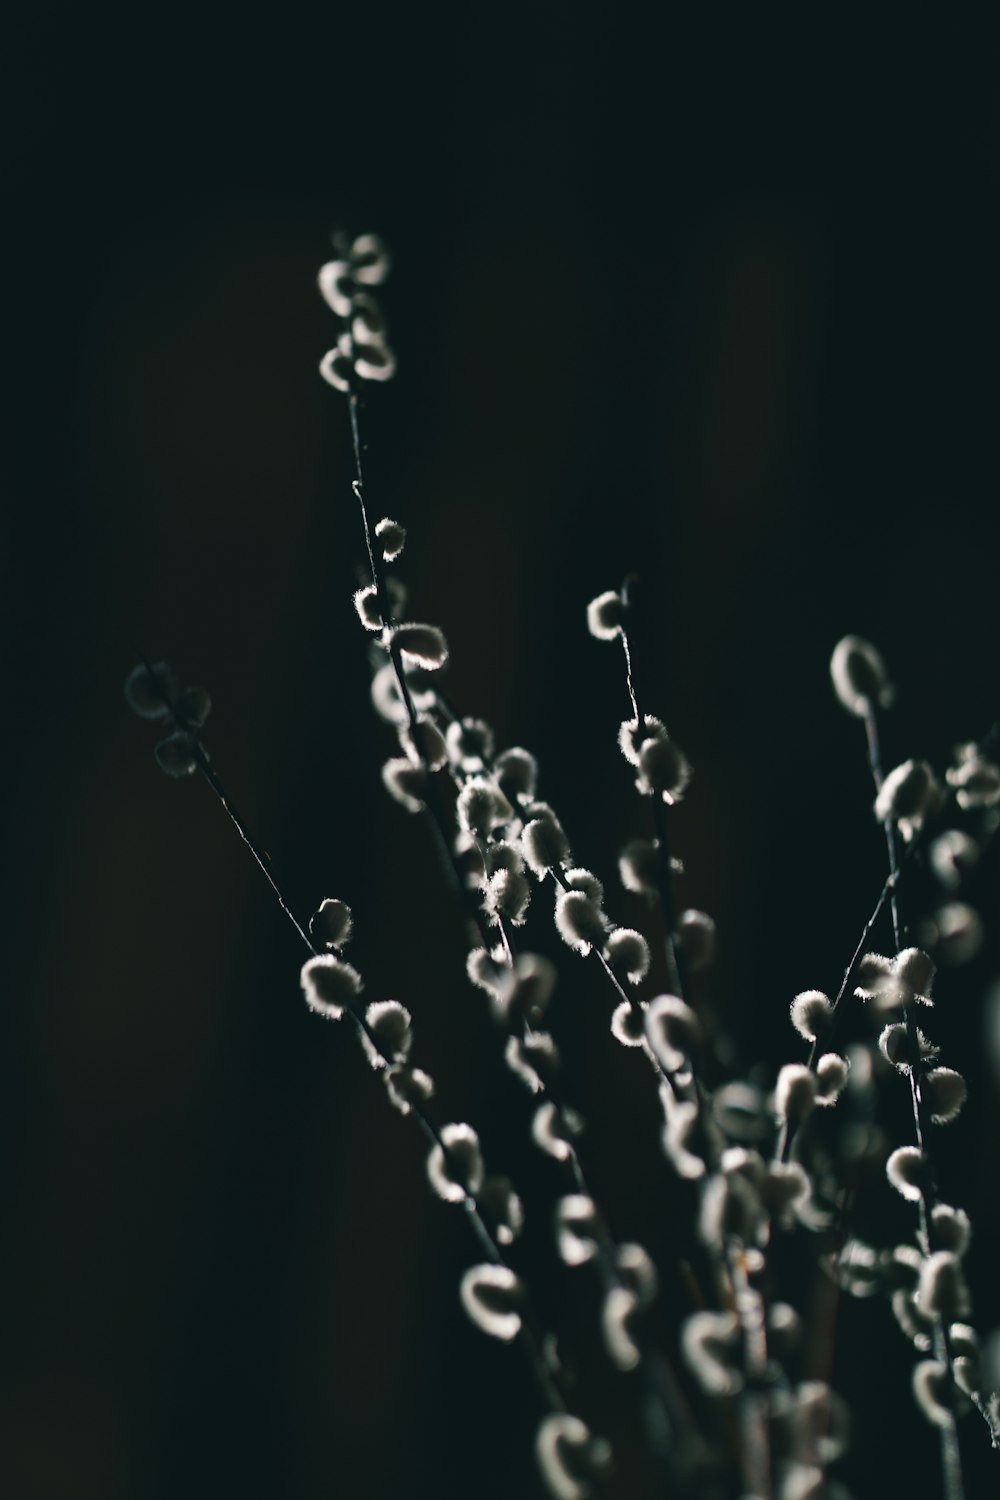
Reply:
x=362, y=350
x=152, y=693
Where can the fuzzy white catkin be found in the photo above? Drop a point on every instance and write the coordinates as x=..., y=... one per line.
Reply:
x=709, y=1342
x=470, y=743
x=392, y=1026
x=544, y=845
x=425, y=744
x=976, y=780
x=906, y=793
x=672, y=1031
x=859, y=676
x=335, y=285
x=392, y=536
x=148, y=690
x=570, y=1459
x=627, y=953
x=576, y=1229
x=905, y=1171
x=932, y=1389
x=832, y=1072
x=811, y=1013
x=696, y=936
x=176, y=755
x=951, y=1229
x=486, y=974
x=492, y=1295
x=336, y=369
x=508, y=894
x=366, y=604
x=914, y=969
x=637, y=1271
x=532, y=1059
x=408, y=1088
x=527, y=988
x=405, y=782
x=579, y=922
x=941, y=1289
x=517, y=772
x=421, y=645
x=794, y=1093
x=633, y=734
x=618, y=1315
x=957, y=932
x=329, y=985
x=639, y=866
x=482, y=807
x=332, y=924
x=374, y=360
x=499, y=1203
x=952, y=855
x=628, y=1024
x=945, y=1092
x=678, y=1137
x=455, y=1164
x=663, y=769
x=605, y=615
x=553, y=1130
x=579, y=879
x=369, y=259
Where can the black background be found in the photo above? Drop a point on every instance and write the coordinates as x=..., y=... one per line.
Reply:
x=714, y=304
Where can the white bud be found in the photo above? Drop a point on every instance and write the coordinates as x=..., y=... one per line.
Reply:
x=905, y=1170
x=859, y=675
x=627, y=953
x=149, y=691
x=455, y=1164
x=831, y=1077
x=554, y=1130
x=336, y=369
x=976, y=780
x=526, y=988
x=876, y=980
x=408, y=1088
x=628, y=1024
x=932, y=1389
x=576, y=1229
x=421, y=645
x=517, y=772
x=821, y=1422
x=374, y=360
x=501, y=1206
x=335, y=285
x=956, y=931
x=369, y=259
x=176, y=755
x=678, y=1138
x=739, y=1110
x=367, y=322
x=329, y=985
x=696, y=938
x=486, y=973
x=945, y=1092
x=586, y=881
x=508, y=893
x=633, y=734
x=605, y=615
x=392, y=536
x=637, y=1271
x=569, y=1457
x=482, y=807
x=710, y=1343
x=406, y=782
x=663, y=770
x=639, y=866
x=784, y=1328
x=953, y=854
x=785, y=1189
x=492, y=1296
x=392, y=1026
x=533, y=1059
x=332, y=924
x=915, y=970
x=424, y=743
x=941, y=1289
x=545, y=845
x=579, y=922
x=618, y=1316
x=951, y=1229
x=366, y=604
x=907, y=793
x=794, y=1093
x=811, y=1014
x=915, y=1325
x=672, y=1031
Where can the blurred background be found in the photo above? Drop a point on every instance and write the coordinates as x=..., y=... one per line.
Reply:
x=717, y=306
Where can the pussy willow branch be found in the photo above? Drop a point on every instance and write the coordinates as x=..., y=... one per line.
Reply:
x=951, y=1460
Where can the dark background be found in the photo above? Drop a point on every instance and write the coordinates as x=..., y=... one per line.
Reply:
x=719, y=306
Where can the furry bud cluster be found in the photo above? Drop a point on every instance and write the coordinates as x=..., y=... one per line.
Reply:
x=362, y=349
x=151, y=693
